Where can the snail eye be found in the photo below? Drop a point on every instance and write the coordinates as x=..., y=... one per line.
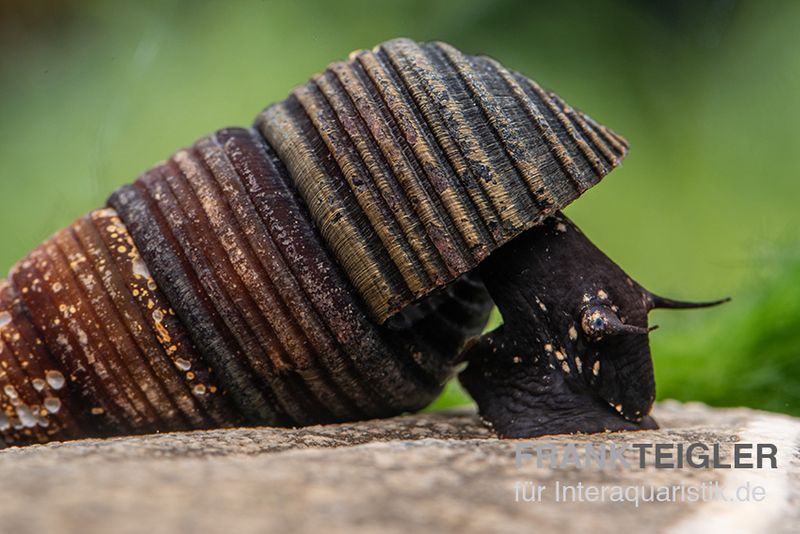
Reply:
x=598, y=324
x=600, y=320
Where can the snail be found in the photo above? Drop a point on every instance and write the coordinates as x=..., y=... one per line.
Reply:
x=335, y=262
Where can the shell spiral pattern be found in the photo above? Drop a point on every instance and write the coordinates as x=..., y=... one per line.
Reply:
x=314, y=268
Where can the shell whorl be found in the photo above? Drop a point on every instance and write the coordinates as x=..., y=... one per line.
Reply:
x=314, y=268
x=204, y=297
x=417, y=161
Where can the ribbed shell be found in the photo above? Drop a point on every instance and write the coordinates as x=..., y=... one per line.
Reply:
x=417, y=161
x=247, y=279
x=204, y=297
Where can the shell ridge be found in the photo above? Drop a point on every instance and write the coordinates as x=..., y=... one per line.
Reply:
x=435, y=166
x=167, y=261
x=290, y=131
x=94, y=379
x=471, y=201
x=439, y=226
x=473, y=133
x=386, y=377
x=258, y=283
x=368, y=198
x=431, y=98
x=504, y=131
x=104, y=225
x=23, y=400
x=21, y=337
x=346, y=87
x=581, y=175
x=93, y=336
x=339, y=366
x=119, y=335
x=213, y=270
x=81, y=398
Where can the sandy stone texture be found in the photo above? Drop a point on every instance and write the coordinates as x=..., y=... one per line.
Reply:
x=421, y=473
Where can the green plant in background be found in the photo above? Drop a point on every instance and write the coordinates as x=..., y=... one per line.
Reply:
x=749, y=355
x=707, y=93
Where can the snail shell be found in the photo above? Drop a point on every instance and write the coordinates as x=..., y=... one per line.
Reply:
x=312, y=269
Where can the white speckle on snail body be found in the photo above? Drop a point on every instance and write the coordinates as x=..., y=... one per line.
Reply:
x=596, y=368
x=618, y=407
x=548, y=347
x=573, y=334
x=578, y=364
x=199, y=389
x=602, y=294
x=55, y=379
x=560, y=355
x=517, y=359
x=158, y=316
x=183, y=365
x=561, y=227
x=52, y=404
x=565, y=367
x=11, y=391
x=38, y=384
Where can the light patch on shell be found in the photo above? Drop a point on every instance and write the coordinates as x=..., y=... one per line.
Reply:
x=199, y=389
x=573, y=334
x=139, y=268
x=38, y=384
x=52, y=404
x=561, y=228
x=560, y=355
x=5, y=319
x=565, y=366
x=596, y=368
x=601, y=294
x=548, y=347
x=182, y=364
x=578, y=364
x=26, y=416
x=517, y=359
x=11, y=391
x=55, y=379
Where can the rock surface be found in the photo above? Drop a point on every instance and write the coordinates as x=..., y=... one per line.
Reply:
x=430, y=472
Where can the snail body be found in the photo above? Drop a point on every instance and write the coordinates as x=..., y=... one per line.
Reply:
x=324, y=265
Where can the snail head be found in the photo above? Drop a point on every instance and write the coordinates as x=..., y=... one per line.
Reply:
x=573, y=353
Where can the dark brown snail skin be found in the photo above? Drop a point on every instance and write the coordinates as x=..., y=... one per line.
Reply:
x=329, y=264
x=573, y=352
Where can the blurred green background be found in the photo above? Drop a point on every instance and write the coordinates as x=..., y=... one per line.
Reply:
x=707, y=93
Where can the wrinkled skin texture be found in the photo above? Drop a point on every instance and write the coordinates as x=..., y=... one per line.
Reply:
x=573, y=352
